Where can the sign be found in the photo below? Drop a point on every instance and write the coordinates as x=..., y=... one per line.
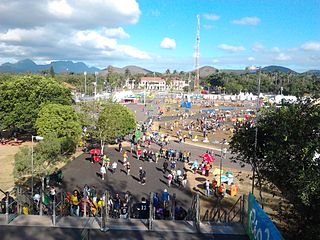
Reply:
x=260, y=226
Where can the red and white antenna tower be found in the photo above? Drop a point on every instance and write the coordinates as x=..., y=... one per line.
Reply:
x=197, y=56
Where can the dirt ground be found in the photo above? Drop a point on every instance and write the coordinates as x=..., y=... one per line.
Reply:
x=272, y=199
x=7, y=153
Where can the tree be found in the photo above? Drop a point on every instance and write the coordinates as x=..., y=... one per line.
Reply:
x=62, y=121
x=22, y=98
x=51, y=72
x=288, y=140
x=45, y=154
x=115, y=121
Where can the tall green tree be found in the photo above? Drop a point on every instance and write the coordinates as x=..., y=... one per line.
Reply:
x=45, y=155
x=287, y=143
x=115, y=121
x=61, y=120
x=23, y=96
x=51, y=71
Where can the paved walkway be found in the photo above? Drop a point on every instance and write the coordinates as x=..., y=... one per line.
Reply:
x=81, y=223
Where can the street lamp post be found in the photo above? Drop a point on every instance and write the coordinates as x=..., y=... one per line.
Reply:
x=85, y=83
x=223, y=154
x=256, y=126
x=38, y=138
x=95, y=85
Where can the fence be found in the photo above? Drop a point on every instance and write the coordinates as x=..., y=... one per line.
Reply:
x=218, y=214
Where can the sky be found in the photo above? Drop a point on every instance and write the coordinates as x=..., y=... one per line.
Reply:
x=161, y=34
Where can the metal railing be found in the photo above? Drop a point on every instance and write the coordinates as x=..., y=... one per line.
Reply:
x=222, y=215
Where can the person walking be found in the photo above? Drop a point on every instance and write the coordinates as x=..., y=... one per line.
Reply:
x=125, y=157
x=103, y=171
x=114, y=167
x=165, y=166
x=144, y=177
x=169, y=178
x=52, y=193
x=184, y=179
x=207, y=188
x=128, y=168
x=140, y=174
x=120, y=146
x=165, y=198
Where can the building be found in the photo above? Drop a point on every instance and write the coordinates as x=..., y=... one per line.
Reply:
x=153, y=83
x=130, y=84
x=178, y=84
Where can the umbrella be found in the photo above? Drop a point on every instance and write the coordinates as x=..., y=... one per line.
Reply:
x=95, y=151
x=96, y=158
x=208, y=157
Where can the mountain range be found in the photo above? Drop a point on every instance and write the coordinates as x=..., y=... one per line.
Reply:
x=28, y=65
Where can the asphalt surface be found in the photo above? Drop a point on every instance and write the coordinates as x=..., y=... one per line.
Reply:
x=81, y=171
x=40, y=233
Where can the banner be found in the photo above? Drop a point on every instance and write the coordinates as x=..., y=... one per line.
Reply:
x=260, y=226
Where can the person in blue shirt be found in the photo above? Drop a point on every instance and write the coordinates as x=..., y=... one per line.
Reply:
x=165, y=197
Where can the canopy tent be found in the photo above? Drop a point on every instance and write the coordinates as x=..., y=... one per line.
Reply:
x=208, y=158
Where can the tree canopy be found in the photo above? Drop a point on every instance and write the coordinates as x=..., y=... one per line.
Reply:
x=22, y=97
x=59, y=119
x=287, y=143
x=115, y=121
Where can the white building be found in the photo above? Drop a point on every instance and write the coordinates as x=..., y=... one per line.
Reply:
x=178, y=84
x=153, y=83
x=129, y=84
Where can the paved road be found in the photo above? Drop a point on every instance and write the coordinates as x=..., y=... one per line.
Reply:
x=80, y=171
x=40, y=233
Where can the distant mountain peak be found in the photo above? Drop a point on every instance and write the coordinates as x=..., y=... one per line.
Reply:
x=27, y=65
x=275, y=68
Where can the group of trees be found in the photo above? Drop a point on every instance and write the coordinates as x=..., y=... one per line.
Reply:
x=40, y=105
x=286, y=155
x=271, y=82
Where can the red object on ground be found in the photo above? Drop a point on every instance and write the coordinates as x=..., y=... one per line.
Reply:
x=97, y=158
x=95, y=151
x=208, y=158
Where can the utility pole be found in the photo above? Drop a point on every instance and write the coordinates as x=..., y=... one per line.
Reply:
x=197, y=56
x=95, y=86
x=85, y=83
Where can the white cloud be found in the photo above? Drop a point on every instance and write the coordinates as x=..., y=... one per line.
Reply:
x=94, y=40
x=116, y=33
x=81, y=30
x=211, y=17
x=133, y=52
x=60, y=8
x=311, y=46
x=257, y=47
x=82, y=14
x=247, y=21
x=275, y=49
x=230, y=48
x=168, y=43
x=283, y=57
x=251, y=59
